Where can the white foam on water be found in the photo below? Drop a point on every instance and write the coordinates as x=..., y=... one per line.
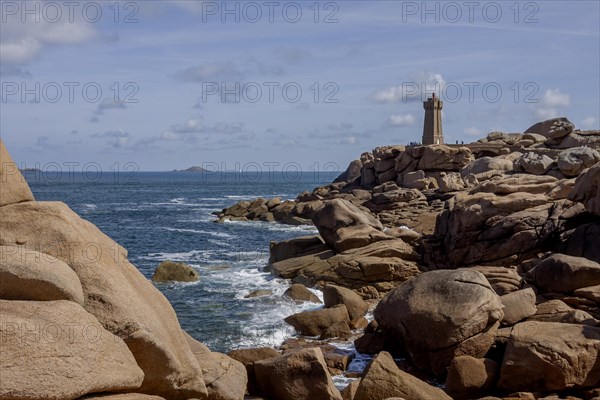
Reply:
x=91, y=206
x=199, y=231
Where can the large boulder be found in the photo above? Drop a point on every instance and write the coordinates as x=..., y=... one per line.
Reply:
x=299, y=375
x=450, y=182
x=554, y=128
x=587, y=190
x=444, y=158
x=440, y=315
x=533, y=163
x=315, y=322
x=337, y=221
x=564, y=274
x=551, y=356
x=383, y=380
x=168, y=271
x=572, y=162
x=29, y=275
x=356, y=306
x=13, y=187
x=557, y=311
x=115, y=291
x=486, y=167
x=299, y=292
x=57, y=350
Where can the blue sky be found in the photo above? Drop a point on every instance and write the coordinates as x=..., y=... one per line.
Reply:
x=300, y=86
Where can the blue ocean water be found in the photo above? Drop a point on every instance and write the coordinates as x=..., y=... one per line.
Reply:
x=160, y=216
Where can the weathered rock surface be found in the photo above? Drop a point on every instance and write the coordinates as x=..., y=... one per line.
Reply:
x=518, y=306
x=29, y=275
x=116, y=293
x=168, y=271
x=224, y=377
x=565, y=274
x=440, y=315
x=300, y=375
x=14, y=188
x=587, y=190
x=56, y=350
x=533, y=163
x=557, y=311
x=383, y=380
x=550, y=356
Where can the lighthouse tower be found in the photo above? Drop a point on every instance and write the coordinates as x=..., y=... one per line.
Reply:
x=432, y=126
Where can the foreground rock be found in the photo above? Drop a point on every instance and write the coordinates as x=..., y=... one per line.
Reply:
x=116, y=293
x=299, y=292
x=383, y=380
x=14, y=188
x=250, y=356
x=551, y=356
x=300, y=375
x=440, y=315
x=56, y=350
x=168, y=271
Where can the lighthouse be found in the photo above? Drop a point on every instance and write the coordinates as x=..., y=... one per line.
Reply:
x=432, y=125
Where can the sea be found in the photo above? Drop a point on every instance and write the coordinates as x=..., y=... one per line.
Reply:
x=160, y=216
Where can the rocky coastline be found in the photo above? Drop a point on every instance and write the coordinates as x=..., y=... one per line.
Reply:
x=479, y=263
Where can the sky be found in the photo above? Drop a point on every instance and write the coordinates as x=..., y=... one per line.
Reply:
x=162, y=85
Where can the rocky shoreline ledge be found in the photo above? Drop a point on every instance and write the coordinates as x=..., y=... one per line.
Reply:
x=480, y=264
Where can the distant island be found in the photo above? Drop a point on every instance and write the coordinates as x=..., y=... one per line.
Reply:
x=191, y=169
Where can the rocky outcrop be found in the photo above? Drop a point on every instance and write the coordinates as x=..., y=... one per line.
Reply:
x=168, y=271
x=299, y=375
x=518, y=305
x=250, y=356
x=440, y=315
x=57, y=350
x=383, y=380
x=550, y=356
x=14, y=188
x=116, y=293
x=131, y=339
x=535, y=164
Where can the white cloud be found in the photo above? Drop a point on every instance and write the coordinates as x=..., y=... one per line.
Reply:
x=472, y=131
x=554, y=98
x=402, y=120
x=589, y=123
x=347, y=140
x=21, y=42
x=552, y=104
x=417, y=88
